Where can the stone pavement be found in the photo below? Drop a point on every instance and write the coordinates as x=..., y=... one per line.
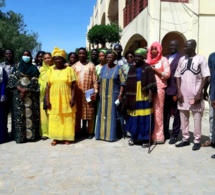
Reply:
x=98, y=167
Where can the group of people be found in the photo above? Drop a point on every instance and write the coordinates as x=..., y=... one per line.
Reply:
x=132, y=95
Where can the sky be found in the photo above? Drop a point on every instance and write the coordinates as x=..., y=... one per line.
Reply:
x=61, y=23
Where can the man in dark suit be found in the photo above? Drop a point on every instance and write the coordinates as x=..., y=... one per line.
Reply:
x=170, y=106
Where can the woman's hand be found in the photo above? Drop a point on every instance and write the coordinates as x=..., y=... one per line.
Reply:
x=120, y=97
x=22, y=91
x=72, y=103
x=22, y=95
x=93, y=97
x=48, y=104
x=150, y=98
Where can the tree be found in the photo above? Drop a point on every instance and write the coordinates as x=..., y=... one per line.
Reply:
x=114, y=34
x=97, y=34
x=102, y=34
x=2, y=3
x=13, y=34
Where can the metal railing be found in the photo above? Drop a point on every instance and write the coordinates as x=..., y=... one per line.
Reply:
x=132, y=9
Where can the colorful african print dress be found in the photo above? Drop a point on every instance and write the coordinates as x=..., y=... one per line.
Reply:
x=25, y=112
x=140, y=120
x=61, y=114
x=86, y=79
x=109, y=119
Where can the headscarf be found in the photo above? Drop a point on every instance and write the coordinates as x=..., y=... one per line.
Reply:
x=103, y=51
x=114, y=53
x=28, y=68
x=59, y=52
x=159, y=56
x=141, y=51
x=45, y=67
x=43, y=78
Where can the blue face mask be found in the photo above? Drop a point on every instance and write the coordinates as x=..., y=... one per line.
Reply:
x=26, y=59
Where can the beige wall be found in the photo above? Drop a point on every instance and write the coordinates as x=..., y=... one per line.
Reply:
x=207, y=35
x=120, y=11
x=194, y=20
x=135, y=28
x=207, y=7
x=176, y=17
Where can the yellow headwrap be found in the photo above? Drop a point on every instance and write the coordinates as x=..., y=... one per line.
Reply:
x=59, y=52
x=141, y=51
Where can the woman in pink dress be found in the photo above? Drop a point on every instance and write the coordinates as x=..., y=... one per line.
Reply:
x=161, y=68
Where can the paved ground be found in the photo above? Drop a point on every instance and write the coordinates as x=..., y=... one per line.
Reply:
x=98, y=167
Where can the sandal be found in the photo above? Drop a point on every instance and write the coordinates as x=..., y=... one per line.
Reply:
x=208, y=144
x=54, y=143
x=145, y=145
x=44, y=138
x=67, y=142
x=130, y=142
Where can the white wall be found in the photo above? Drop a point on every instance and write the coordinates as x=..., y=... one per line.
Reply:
x=195, y=20
x=177, y=17
x=206, y=35
x=137, y=26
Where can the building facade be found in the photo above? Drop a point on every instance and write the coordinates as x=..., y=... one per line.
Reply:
x=146, y=21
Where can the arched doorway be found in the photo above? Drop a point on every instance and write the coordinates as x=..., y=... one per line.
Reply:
x=113, y=11
x=135, y=42
x=173, y=36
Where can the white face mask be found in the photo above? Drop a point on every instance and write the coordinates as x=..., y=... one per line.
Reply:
x=26, y=59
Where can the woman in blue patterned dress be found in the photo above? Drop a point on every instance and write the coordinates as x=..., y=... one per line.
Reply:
x=112, y=81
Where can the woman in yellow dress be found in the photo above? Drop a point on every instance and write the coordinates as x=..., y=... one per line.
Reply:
x=60, y=100
x=43, y=79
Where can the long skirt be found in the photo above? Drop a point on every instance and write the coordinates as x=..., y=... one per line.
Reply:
x=62, y=126
x=43, y=121
x=158, y=134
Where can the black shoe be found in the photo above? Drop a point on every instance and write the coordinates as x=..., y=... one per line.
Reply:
x=145, y=145
x=172, y=140
x=44, y=138
x=182, y=144
x=213, y=156
x=90, y=136
x=196, y=146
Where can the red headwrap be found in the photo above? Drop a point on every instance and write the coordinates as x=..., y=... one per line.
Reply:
x=149, y=56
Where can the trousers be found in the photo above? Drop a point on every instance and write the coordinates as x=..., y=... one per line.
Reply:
x=197, y=116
